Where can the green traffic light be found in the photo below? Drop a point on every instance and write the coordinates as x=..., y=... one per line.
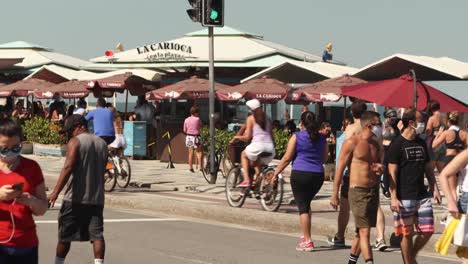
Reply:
x=214, y=14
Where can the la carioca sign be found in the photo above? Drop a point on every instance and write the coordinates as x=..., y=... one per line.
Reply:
x=165, y=46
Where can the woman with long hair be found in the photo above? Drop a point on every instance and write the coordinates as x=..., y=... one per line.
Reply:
x=455, y=140
x=192, y=130
x=258, y=129
x=433, y=128
x=308, y=151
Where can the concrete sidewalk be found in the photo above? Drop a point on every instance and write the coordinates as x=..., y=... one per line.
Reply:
x=182, y=193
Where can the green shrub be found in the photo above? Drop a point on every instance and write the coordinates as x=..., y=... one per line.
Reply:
x=43, y=131
x=281, y=138
x=222, y=138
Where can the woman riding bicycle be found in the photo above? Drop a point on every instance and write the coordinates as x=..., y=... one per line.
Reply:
x=261, y=150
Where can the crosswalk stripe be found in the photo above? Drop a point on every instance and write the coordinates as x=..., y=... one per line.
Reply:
x=129, y=220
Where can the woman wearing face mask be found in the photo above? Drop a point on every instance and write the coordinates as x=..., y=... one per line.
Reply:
x=22, y=195
x=390, y=132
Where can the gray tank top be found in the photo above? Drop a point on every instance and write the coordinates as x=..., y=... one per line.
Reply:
x=86, y=185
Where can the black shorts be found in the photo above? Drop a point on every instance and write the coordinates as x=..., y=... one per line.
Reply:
x=305, y=185
x=108, y=139
x=80, y=222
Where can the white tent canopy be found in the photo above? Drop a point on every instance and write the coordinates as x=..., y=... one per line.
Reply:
x=82, y=75
x=426, y=68
x=36, y=56
x=233, y=48
x=303, y=72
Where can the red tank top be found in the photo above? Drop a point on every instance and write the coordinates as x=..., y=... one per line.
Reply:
x=28, y=172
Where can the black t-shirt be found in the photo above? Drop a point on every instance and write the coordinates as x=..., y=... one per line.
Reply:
x=411, y=157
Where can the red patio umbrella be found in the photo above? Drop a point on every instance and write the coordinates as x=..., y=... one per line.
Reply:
x=192, y=88
x=265, y=89
x=399, y=92
x=24, y=87
x=136, y=85
x=325, y=91
x=68, y=90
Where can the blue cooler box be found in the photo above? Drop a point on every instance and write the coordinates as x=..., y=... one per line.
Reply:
x=135, y=135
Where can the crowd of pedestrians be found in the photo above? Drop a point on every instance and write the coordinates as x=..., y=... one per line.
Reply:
x=395, y=155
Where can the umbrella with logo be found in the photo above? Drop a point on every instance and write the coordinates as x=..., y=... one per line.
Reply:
x=68, y=90
x=324, y=91
x=24, y=88
x=192, y=88
x=265, y=89
x=106, y=87
x=400, y=92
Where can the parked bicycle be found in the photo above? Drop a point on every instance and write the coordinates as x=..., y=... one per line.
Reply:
x=222, y=163
x=266, y=188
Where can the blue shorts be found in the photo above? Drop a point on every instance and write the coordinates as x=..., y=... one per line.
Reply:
x=15, y=255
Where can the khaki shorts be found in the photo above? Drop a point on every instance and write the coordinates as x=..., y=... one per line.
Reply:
x=364, y=203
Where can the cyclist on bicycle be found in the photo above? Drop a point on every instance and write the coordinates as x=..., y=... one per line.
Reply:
x=261, y=150
x=103, y=121
x=119, y=144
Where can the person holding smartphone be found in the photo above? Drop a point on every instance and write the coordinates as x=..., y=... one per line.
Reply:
x=22, y=195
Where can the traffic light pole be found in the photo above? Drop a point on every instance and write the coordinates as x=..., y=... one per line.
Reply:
x=213, y=173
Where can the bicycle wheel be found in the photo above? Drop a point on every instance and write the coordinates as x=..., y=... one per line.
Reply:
x=206, y=168
x=109, y=180
x=124, y=172
x=235, y=196
x=226, y=166
x=271, y=190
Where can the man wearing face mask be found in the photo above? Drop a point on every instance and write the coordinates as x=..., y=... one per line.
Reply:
x=390, y=132
x=364, y=153
x=408, y=162
x=82, y=177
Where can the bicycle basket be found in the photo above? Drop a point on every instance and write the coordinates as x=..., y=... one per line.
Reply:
x=235, y=151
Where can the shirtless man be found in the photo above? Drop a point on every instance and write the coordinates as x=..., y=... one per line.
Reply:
x=338, y=240
x=364, y=152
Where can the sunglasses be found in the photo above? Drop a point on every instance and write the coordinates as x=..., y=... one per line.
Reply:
x=14, y=149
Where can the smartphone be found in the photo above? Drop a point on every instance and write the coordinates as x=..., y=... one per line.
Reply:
x=18, y=186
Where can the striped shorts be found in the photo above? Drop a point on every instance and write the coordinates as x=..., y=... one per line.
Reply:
x=414, y=213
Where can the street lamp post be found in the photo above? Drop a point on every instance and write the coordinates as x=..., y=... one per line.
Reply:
x=213, y=173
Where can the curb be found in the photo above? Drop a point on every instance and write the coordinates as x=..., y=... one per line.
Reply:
x=253, y=218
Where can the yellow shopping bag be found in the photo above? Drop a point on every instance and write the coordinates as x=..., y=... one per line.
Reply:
x=445, y=240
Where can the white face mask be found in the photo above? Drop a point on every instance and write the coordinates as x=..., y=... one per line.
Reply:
x=419, y=128
x=377, y=130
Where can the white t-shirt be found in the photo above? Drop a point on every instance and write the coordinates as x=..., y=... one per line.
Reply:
x=79, y=111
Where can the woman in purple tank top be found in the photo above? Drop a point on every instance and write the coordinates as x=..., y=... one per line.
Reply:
x=308, y=151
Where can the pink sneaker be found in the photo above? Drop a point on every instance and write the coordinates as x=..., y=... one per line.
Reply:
x=305, y=246
x=244, y=184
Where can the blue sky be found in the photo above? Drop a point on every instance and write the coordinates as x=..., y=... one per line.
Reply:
x=361, y=31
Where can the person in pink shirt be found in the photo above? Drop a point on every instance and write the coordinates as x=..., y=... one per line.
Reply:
x=192, y=129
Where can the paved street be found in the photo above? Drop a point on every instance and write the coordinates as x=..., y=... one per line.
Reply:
x=184, y=195
x=142, y=238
